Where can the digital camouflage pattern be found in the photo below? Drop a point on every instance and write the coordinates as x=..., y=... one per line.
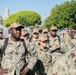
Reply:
x=66, y=65
x=14, y=58
x=66, y=40
x=44, y=61
x=34, y=42
x=52, y=45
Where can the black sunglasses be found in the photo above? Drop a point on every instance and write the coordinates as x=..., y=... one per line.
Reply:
x=16, y=29
x=35, y=33
x=45, y=32
x=26, y=35
x=45, y=41
x=54, y=30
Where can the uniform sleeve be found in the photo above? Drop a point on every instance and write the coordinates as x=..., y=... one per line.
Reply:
x=32, y=62
x=57, y=42
x=52, y=48
x=1, y=45
x=32, y=58
x=52, y=45
x=61, y=67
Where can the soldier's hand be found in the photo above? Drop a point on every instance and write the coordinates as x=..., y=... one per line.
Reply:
x=58, y=46
x=3, y=71
x=26, y=69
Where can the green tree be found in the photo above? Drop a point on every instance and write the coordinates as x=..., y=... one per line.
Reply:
x=27, y=18
x=62, y=16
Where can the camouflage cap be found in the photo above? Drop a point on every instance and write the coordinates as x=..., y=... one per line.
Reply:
x=35, y=30
x=45, y=30
x=1, y=30
x=42, y=38
x=53, y=28
x=15, y=25
x=24, y=31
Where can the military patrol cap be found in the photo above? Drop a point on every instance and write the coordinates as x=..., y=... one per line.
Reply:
x=53, y=28
x=1, y=30
x=24, y=32
x=42, y=38
x=15, y=25
x=45, y=30
x=35, y=30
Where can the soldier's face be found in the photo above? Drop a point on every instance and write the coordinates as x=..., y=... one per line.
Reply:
x=53, y=32
x=35, y=35
x=43, y=43
x=16, y=32
x=26, y=36
x=45, y=33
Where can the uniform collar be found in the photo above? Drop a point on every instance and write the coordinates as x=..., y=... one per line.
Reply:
x=35, y=39
x=11, y=42
x=56, y=38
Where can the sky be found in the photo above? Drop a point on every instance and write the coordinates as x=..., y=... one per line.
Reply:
x=42, y=7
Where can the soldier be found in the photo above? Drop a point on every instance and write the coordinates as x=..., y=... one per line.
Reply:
x=54, y=43
x=1, y=39
x=35, y=36
x=13, y=59
x=45, y=32
x=1, y=33
x=66, y=41
x=25, y=36
x=43, y=56
x=66, y=65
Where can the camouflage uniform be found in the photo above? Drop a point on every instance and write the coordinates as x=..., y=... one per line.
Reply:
x=66, y=41
x=74, y=42
x=34, y=42
x=66, y=65
x=54, y=41
x=24, y=36
x=44, y=61
x=45, y=33
x=55, y=52
x=1, y=33
x=14, y=58
x=1, y=39
x=27, y=43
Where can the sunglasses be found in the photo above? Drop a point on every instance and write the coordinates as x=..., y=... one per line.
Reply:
x=44, y=41
x=45, y=32
x=54, y=30
x=35, y=33
x=26, y=35
x=16, y=29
